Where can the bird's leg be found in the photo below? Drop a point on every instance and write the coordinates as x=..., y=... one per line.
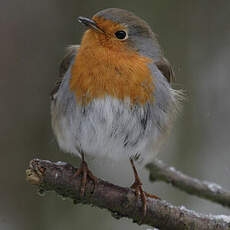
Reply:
x=84, y=170
x=137, y=186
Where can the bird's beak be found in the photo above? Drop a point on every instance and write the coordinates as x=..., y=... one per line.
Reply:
x=90, y=23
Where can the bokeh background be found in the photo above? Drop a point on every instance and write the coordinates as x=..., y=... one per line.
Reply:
x=195, y=37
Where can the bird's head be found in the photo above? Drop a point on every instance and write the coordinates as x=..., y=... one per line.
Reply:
x=120, y=30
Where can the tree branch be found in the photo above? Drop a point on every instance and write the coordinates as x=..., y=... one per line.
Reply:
x=204, y=189
x=121, y=202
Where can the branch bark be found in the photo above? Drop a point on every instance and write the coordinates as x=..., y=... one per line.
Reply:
x=204, y=189
x=121, y=202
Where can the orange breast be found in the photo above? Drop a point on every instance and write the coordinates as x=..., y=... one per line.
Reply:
x=99, y=71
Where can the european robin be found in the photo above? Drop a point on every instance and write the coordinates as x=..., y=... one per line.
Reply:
x=114, y=97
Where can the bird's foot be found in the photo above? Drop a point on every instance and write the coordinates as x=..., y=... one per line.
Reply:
x=86, y=173
x=140, y=193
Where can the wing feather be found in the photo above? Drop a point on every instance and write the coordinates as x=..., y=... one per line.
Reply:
x=166, y=69
x=64, y=65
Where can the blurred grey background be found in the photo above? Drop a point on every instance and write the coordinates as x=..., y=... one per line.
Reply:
x=195, y=36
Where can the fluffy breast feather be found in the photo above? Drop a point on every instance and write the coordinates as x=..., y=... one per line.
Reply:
x=99, y=70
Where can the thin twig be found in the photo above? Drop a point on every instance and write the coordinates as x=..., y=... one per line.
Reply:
x=121, y=202
x=204, y=189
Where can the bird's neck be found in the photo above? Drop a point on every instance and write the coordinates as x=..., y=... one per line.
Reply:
x=101, y=71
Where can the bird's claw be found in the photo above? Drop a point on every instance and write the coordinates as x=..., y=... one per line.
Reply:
x=86, y=173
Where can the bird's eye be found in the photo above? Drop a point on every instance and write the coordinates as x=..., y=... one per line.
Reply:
x=121, y=34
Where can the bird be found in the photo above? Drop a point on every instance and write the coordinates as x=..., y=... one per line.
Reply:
x=114, y=98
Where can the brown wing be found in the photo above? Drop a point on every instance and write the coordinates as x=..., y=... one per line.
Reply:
x=166, y=69
x=71, y=52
